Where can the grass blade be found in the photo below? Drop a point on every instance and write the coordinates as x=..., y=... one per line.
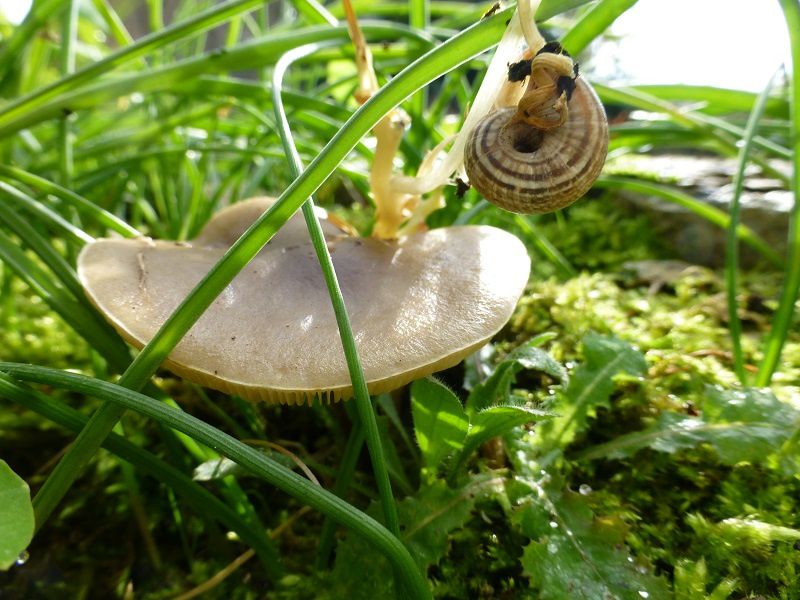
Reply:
x=365, y=409
x=195, y=25
x=594, y=23
x=782, y=321
x=205, y=503
x=732, y=246
x=701, y=209
x=81, y=204
x=251, y=459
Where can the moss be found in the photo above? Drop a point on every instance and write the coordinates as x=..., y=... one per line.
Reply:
x=682, y=329
x=30, y=332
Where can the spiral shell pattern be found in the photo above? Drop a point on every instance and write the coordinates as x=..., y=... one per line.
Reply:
x=526, y=170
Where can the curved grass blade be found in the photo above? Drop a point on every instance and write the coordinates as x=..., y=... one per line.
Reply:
x=198, y=23
x=365, y=409
x=782, y=321
x=720, y=130
x=201, y=500
x=81, y=204
x=249, y=458
x=254, y=54
x=594, y=23
x=732, y=245
x=714, y=100
x=73, y=234
x=45, y=251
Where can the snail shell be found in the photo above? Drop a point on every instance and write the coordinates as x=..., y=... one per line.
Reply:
x=527, y=170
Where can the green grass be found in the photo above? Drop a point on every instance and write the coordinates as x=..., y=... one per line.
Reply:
x=103, y=134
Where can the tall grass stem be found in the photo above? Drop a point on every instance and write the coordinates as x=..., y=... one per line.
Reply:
x=782, y=322
x=366, y=411
x=732, y=238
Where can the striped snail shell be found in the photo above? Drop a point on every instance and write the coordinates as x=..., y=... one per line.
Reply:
x=528, y=170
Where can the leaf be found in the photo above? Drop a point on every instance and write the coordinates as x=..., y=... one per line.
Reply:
x=742, y=425
x=494, y=422
x=16, y=516
x=575, y=554
x=439, y=421
x=426, y=522
x=427, y=518
x=497, y=387
x=749, y=405
x=589, y=387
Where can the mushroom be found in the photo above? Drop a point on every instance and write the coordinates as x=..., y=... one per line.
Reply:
x=417, y=304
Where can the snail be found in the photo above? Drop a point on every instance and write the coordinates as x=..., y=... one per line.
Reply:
x=545, y=153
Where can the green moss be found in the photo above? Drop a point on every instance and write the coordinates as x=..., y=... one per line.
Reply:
x=597, y=234
x=30, y=332
x=682, y=329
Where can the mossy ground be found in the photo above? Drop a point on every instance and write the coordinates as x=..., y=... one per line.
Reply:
x=671, y=504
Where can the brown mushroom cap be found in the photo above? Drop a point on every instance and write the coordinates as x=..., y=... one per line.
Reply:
x=416, y=305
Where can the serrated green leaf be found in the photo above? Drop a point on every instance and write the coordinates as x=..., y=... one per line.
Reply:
x=497, y=387
x=590, y=387
x=426, y=521
x=439, y=421
x=16, y=516
x=428, y=518
x=574, y=554
x=359, y=573
x=742, y=425
x=494, y=422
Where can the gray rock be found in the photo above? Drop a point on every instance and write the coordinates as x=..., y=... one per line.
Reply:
x=765, y=205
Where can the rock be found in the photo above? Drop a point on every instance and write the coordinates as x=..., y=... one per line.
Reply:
x=765, y=204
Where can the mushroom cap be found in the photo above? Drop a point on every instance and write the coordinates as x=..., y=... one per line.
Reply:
x=416, y=305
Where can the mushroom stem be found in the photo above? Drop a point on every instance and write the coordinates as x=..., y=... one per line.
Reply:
x=390, y=205
x=527, y=13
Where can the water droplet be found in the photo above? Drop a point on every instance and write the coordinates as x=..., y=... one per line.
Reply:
x=584, y=489
x=553, y=524
x=23, y=557
x=569, y=533
x=630, y=559
x=644, y=594
x=552, y=548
